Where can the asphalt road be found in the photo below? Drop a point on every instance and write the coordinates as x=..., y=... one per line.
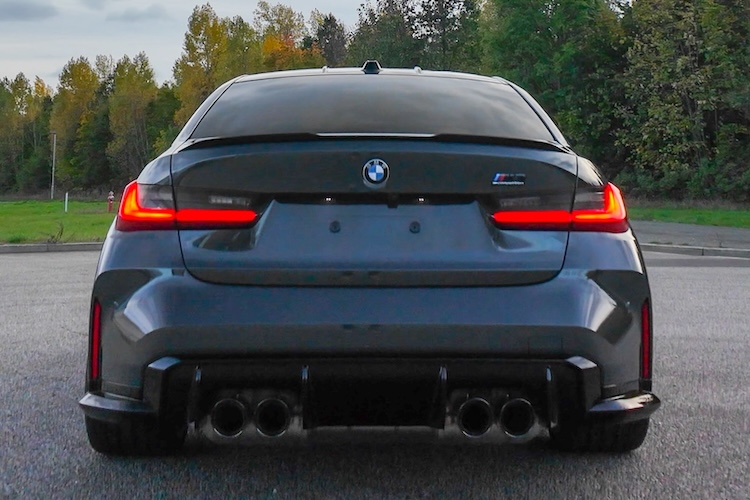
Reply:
x=698, y=446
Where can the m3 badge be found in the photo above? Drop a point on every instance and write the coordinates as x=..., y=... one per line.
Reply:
x=501, y=179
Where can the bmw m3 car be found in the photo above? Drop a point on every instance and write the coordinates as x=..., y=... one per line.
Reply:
x=365, y=248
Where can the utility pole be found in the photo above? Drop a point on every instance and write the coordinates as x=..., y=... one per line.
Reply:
x=54, y=155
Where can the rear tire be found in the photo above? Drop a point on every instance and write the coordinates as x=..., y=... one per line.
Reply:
x=601, y=437
x=135, y=436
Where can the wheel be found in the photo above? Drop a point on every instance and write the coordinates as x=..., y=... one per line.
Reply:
x=600, y=436
x=135, y=436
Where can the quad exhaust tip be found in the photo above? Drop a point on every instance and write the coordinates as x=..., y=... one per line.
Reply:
x=475, y=417
x=272, y=417
x=517, y=418
x=228, y=417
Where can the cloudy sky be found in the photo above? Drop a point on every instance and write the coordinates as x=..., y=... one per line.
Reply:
x=38, y=37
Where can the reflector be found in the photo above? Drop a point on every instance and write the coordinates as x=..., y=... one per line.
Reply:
x=646, y=341
x=96, y=341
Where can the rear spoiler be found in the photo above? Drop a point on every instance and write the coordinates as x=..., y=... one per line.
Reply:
x=209, y=142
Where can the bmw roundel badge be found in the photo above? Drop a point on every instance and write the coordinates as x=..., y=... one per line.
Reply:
x=376, y=173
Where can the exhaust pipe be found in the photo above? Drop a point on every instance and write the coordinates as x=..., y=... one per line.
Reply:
x=517, y=418
x=228, y=417
x=272, y=417
x=475, y=417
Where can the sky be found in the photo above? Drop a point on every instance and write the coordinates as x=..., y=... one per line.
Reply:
x=38, y=37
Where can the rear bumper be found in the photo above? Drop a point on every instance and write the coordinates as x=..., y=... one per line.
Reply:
x=172, y=343
x=147, y=316
x=383, y=392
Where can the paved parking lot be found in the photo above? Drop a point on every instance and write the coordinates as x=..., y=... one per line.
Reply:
x=698, y=446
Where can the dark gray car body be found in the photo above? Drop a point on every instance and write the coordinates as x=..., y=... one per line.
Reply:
x=356, y=304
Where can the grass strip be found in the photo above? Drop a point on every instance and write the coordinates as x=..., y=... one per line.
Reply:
x=47, y=222
x=685, y=215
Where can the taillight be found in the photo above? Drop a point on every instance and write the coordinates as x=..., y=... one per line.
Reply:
x=646, y=339
x=145, y=207
x=149, y=207
x=95, y=342
x=607, y=214
x=610, y=217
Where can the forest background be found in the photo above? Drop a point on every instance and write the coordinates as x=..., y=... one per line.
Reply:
x=656, y=92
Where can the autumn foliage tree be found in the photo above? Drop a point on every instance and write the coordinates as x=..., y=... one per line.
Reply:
x=72, y=109
x=217, y=49
x=281, y=53
x=280, y=21
x=133, y=93
x=196, y=72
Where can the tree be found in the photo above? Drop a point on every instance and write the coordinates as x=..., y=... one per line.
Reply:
x=215, y=50
x=449, y=31
x=198, y=70
x=134, y=91
x=663, y=82
x=244, y=53
x=330, y=37
x=24, y=140
x=162, y=130
x=10, y=144
x=280, y=21
x=282, y=54
x=569, y=54
x=90, y=165
x=285, y=40
x=726, y=29
x=385, y=31
x=688, y=98
x=72, y=107
x=34, y=172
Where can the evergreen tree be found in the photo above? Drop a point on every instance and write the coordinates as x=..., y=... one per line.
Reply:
x=331, y=38
x=449, y=32
x=385, y=31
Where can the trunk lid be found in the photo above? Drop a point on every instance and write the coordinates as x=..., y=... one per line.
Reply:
x=324, y=222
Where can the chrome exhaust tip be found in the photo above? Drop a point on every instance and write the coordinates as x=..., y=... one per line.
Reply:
x=517, y=418
x=228, y=417
x=475, y=417
x=272, y=417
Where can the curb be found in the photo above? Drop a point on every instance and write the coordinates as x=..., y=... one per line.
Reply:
x=51, y=247
x=697, y=251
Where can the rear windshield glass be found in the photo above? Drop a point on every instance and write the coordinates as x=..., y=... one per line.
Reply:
x=400, y=104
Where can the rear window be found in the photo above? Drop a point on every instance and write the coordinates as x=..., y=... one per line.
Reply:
x=351, y=103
